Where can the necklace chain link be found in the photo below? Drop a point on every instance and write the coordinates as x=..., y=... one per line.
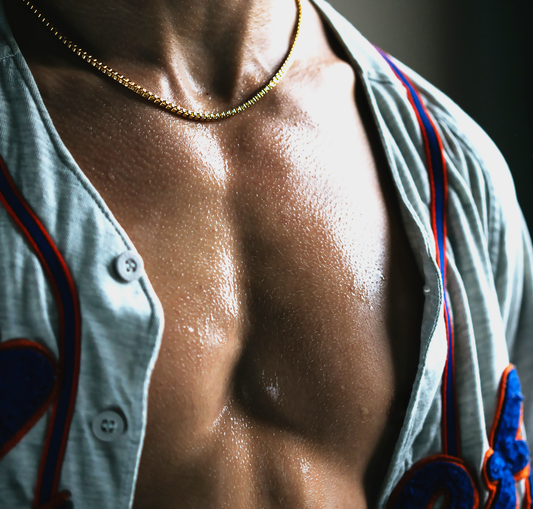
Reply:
x=154, y=98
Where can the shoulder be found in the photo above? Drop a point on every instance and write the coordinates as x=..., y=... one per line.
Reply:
x=472, y=155
x=480, y=182
x=484, y=215
x=467, y=146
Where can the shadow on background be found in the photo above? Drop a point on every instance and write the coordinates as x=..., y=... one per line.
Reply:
x=479, y=52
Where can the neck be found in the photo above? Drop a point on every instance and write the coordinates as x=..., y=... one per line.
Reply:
x=223, y=48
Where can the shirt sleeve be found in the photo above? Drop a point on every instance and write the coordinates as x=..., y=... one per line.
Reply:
x=504, y=233
x=511, y=259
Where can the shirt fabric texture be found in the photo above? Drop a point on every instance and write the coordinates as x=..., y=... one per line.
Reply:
x=490, y=283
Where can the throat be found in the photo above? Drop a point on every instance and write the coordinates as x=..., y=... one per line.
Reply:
x=205, y=55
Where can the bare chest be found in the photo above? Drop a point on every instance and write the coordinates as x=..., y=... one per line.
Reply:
x=291, y=300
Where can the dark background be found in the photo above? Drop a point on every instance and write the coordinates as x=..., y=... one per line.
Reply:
x=479, y=52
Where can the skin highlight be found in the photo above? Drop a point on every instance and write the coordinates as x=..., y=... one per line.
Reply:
x=273, y=239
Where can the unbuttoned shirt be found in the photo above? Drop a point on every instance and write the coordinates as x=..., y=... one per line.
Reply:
x=490, y=284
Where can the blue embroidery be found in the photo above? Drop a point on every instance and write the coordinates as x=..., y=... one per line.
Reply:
x=27, y=380
x=506, y=462
x=511, y=455
x=439, y=476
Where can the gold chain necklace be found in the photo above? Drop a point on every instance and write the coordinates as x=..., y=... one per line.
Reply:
x=168, y=105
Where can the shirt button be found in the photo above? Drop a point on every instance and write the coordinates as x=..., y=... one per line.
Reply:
x=129, y=266
x=427, y=289
x=108, y=426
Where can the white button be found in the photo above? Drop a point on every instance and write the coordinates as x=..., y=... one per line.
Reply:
x=427, y=289
x=108, y=426
x=129, y=266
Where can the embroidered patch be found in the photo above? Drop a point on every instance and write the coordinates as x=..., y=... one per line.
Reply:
x=507, y=460
x=434, y=477
x=27, y=388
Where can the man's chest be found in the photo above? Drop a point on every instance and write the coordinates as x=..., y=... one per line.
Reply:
x=275, y=252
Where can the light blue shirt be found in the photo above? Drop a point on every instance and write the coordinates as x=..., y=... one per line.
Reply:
x=490, y=284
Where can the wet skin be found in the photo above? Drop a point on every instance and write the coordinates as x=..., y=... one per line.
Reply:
x=291, y=298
